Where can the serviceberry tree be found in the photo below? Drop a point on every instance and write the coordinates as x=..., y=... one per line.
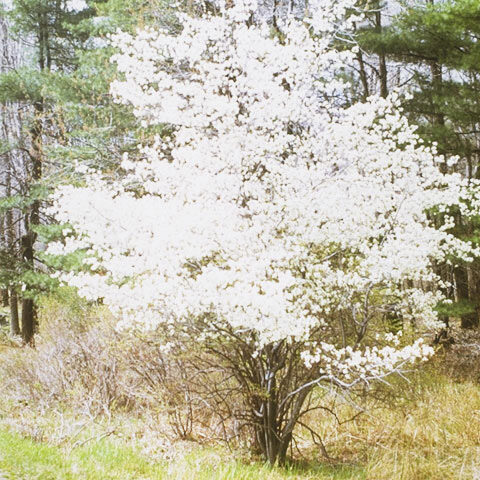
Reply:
x=269, y=224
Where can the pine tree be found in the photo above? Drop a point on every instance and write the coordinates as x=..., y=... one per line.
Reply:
x=72, y=119
x=42, y=27
x=438, y=42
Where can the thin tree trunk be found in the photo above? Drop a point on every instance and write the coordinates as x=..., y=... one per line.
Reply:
x=28, y=320
x=468, y=320
x=363, y=72
x=363, y=75
x=5, y=297
x=4, y=246
x=33, y=220
x=28, y=306
x=13, y=55
x=274, y=421
x=382, y=67
x=14, y=320
x=11, y=238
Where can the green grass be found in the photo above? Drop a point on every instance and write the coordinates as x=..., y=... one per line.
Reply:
x=24, y=459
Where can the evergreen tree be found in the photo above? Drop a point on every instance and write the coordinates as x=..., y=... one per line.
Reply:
x=438, y=43
x=42, y=27
x=72, y=120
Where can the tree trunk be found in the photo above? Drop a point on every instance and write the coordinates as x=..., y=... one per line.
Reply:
x=362, y=70
x=32, y=220
x=5, y=297
x=5, y=247
x=14, y=320
x=30, y=164
x=382, y=63
x=272, y=444
x=468, y=320
x=28, y=320
x=276, y=410
x=363, y=75
x=274, y=434
x=11, y=240
x=28, y=305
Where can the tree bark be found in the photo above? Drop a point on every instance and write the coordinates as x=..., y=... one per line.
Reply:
x=277, y=409
x=28, y=320
x=14, y=320
x=5, y=297
x=4, y=246
x=468, y=320
x=363, y=72
x=32, y=220
x=11, y=238
x=363, y=75
x=382, y=63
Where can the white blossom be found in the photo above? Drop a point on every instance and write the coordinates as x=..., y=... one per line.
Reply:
x=271, y=206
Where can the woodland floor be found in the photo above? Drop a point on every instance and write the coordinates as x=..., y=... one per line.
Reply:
x=432, y=432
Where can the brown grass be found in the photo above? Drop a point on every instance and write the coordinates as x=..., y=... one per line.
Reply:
x=427, y=429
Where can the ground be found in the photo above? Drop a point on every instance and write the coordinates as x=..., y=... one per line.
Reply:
x=430, y=431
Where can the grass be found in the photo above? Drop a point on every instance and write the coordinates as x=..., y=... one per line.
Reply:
x=430, y=432
x=434, y=436
x=24, y=459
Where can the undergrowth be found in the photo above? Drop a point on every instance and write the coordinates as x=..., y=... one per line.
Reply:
x=75, y=409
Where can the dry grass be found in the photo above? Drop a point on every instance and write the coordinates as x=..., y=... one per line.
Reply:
x=430, y=428
x=434, y=434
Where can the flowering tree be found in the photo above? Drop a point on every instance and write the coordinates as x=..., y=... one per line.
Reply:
x=269, y=223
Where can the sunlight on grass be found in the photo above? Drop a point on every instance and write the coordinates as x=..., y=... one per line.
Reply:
x=23, y=459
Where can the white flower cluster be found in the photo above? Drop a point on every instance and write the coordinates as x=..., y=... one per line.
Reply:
x=271, y=206
x=347, y=365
